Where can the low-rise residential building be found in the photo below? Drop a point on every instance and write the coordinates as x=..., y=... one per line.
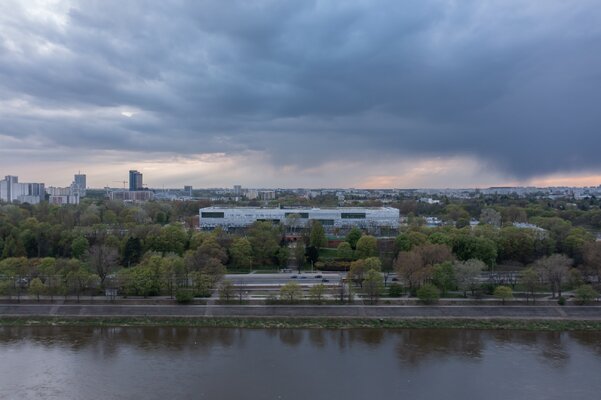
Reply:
x=60, y=200
x=133, y=196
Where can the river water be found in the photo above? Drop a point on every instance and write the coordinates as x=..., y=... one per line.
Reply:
x=198, y=363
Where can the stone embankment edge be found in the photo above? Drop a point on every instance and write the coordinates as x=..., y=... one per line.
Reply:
x=258, y=322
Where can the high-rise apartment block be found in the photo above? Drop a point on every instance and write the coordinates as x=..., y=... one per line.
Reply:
x=11, y=190
x=135, y=181
x=79, y=185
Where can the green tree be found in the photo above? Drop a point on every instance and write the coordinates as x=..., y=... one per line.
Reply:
x=353, y=237
x=441, y=238
x=575, y=243
x=575, y=278
x=211, y=248
x=13, y=248
x=367, y=246
x=317, y=237
x=517, y=244
x=406, y=241
x=132, y=252
x=78, y=280
x=373, y=285
x=312, y=254
x=455, y=212
x=290, y=292
x=37, y=288
x=226, y=290
x=6, y=287
x=592, y=258
x=416, y=266
x=316, y=292
x=299, y=255
x=503, y=293
x=554, y=269
x=585, y=294
x=201, y=260
x=530, y=279
x=514, y=214
x=103, y=259
x=467, y=274
x=444, y=277
x=283, y=255
x=360, y=267
x=428, y=293
x=171, y=269
x=241, y=253
x=142, y=280
x=467, y=247
x=202, y=284
x=171, y=239
x=264, y=239
x=491, y=217
x=79, y=247
x=344, y=251
x=395, y=290
x=184, y=296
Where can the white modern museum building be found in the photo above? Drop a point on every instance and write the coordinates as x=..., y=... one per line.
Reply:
x=340, y=217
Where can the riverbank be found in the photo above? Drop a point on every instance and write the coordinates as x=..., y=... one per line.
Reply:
x=309, y=323
x=463, y=312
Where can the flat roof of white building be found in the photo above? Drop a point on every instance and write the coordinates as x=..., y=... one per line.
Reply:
x=331, y=216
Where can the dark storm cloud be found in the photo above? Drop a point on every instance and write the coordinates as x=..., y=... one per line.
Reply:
x=517, y=86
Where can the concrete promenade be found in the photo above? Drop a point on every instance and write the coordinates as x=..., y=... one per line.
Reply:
x=305, y=311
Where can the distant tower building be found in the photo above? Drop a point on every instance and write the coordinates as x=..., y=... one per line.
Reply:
x=188, y=190
x=135, y=181
x=237, y=190
x=79, y=185
x=11, y=183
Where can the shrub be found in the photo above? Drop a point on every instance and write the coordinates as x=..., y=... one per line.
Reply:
x=184, y=296
x=487, y=288
x=585, y=294
x=561, y=301
x=428, y=294
x=503, y=293
x=333, y=265
x=395, y=290
x=290, y=292
x=226, y=291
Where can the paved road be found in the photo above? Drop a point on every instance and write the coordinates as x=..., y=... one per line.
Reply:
x=280, y=279
x=468, y=312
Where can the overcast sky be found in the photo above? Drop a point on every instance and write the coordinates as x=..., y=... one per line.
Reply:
x=366, y=93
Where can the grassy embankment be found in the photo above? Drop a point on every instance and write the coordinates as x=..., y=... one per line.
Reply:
x=325, y=323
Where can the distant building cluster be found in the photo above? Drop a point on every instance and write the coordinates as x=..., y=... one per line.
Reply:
x=11, y=190
x=136, y=192
x=132, y=196
x=68, y=195
x=340, y=217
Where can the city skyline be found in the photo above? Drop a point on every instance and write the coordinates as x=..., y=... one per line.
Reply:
x=365, y=94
